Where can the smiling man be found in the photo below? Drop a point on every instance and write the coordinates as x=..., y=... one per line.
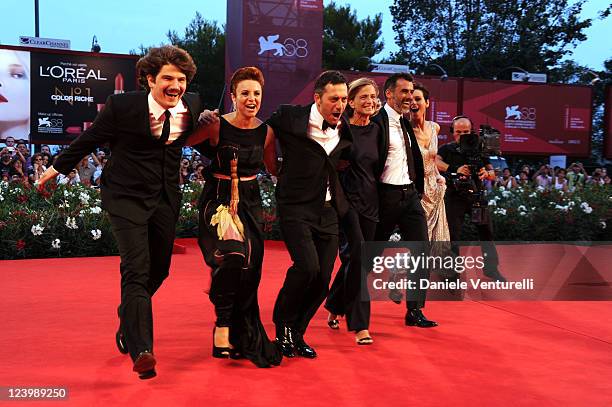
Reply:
x=401, y=184
x=139, y=187
x=309, y=201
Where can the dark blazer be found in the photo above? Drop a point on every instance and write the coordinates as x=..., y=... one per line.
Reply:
x=382, y=118
x=140, y=167
x=300, y=192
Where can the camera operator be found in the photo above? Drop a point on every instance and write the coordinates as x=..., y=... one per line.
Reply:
x=465, y=192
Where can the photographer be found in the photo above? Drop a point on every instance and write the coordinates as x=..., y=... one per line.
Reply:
x=465, y=194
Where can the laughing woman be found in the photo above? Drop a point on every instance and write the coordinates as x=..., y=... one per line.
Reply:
x=231, y=222
x=348, y=296
x=426, y=133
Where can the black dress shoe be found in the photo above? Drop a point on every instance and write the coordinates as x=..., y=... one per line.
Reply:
x=144, y=365
x=120, y=341
x=415, y=317
x=284, y=340
x=303, y=349
x=395, y=295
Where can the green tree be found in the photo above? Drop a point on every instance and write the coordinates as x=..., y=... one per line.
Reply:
x=347, y=42
x=479, y=38
x=205, y=42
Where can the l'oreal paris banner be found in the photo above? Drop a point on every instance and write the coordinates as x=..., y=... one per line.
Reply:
x=67, y=90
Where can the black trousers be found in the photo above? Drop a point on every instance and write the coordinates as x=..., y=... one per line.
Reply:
x=401, y=207
x=348, y=294
x=145, y=250
x=313, y=248
x=456, y=209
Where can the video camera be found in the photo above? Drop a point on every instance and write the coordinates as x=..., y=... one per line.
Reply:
x=475, y=149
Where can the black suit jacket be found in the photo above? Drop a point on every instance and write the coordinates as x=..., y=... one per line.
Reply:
x=302, y=181
x=140, y=168
x=382, y=118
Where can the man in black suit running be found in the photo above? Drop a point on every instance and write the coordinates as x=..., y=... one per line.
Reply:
x=309, y=199
x=146, y=132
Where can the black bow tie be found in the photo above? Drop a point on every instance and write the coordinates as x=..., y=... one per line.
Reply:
x=326, y=125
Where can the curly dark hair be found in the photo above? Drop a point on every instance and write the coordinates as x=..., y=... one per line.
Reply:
x=156, y=58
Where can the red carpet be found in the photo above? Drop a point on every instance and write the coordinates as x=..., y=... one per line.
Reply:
x=58, y=323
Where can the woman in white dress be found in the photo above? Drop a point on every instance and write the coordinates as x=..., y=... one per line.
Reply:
x=426, y=133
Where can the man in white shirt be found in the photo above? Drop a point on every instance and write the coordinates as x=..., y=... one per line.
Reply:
x=309, y=200
x=139, y=186
x=401, y=185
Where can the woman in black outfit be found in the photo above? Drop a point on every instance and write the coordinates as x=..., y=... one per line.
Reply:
x=347, y=296
x=231, y=222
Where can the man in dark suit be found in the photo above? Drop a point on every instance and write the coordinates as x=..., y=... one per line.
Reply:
x=401, y=184
x=139, y=188
x=309, y=199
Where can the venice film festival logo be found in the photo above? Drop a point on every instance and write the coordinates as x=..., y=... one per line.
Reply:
x=288, y=48
x=48, y=124
x=520, y=117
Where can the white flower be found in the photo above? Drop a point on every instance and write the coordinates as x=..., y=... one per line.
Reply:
x=71, y=223
x=603, y=224
x=571, y=203
x=95, y=210
x=37, y=230
x=561, y=208
x=561, y=193
x=1, y=198
x=586, y=208
x=502, y=188
x=84, y=197
x=96, y=234
x=500, y=211
x=523, y=213
x=506, y=194
x=493, y=202
x=533, y=195
x=540, y=188
x=522, y=208
x=56, y=244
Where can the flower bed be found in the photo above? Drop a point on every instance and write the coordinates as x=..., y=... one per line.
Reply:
x=64, y=221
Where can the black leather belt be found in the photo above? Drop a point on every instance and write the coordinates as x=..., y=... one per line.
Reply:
x=407, y=187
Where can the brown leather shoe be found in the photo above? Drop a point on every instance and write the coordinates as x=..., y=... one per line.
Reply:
x=144, y=365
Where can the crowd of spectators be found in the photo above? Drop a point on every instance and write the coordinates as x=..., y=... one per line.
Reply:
x=18, y=166
x=569, y=179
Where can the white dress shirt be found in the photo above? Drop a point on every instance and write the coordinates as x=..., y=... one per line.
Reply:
x=396, y=166
x=328, y=138
x=179, y=119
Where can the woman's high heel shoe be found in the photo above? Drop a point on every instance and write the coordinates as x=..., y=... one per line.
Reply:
x=220, y=352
